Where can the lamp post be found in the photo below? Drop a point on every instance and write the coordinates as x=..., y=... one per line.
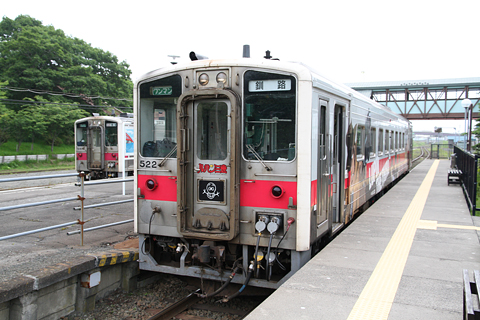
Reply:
x=466, y=103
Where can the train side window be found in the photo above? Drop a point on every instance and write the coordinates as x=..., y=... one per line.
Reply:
x=387, y=141
x=380, y=142
x=373, y=142
x=397, y=146
x=392, y=141
x=359, y=142
x=403, y=141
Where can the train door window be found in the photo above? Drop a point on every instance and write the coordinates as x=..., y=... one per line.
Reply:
x=212, y=130
x=387, y=141
x=380, y=142
x=111, y=133
x=323, y=132
x=396, y=141
x=81, y=134
x=373, y=142
x=359, y=141
x=157, y=120
x=269, y=115
x=403, y=141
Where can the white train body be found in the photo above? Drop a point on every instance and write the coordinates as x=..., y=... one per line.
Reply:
x=240, y=160
x=104, y=146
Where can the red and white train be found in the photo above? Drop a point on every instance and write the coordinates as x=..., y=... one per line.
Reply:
x=104, y=146
x=248, y=164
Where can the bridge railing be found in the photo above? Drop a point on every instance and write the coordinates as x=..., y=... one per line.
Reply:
x=468, y=164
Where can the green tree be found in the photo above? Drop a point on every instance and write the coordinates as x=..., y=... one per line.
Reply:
x=34, y=121
x=19, y=127
x=43, y=59
x=60, y=122
x=5, y=117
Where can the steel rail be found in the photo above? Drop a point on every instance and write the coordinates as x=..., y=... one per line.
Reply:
x=177, y=307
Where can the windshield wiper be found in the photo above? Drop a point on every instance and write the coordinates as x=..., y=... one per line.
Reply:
x=168, y=156
x=252, y=150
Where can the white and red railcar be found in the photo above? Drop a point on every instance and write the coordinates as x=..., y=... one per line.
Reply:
x=251, y=163
x=104, y=146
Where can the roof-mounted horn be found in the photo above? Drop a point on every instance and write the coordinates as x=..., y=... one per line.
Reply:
x=194, y=56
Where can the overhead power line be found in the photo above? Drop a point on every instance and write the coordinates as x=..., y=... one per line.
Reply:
x=57, y=93
x=13, y=101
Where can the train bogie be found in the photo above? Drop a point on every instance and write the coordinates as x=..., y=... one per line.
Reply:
x=252, y=163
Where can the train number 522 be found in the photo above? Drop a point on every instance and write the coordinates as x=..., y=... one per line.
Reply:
x=148, y=164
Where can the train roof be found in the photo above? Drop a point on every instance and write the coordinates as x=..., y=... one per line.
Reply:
x=122, y=118
x=302, y=71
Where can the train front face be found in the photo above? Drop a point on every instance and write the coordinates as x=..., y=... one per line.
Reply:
x=216, y=173
x=97, y=147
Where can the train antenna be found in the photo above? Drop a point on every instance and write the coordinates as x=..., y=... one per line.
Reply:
x=173, y=57
x=267, y=55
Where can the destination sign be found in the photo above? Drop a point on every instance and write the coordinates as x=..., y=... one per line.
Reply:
x=161, y=91
x=269, y=85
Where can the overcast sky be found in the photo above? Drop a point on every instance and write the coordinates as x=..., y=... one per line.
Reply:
x=349, y=40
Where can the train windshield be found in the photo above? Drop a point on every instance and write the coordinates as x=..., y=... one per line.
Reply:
x=81, y=133
x=157, y=120
x=269, y=116
x=111, y=133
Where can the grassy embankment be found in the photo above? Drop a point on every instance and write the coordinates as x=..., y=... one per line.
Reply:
x=9, y=149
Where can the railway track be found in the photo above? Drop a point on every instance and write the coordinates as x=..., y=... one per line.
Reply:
x=424, y=155
x=182, y=308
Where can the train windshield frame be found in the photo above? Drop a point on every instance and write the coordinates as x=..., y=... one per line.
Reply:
x=269, y=116
x=157, y=121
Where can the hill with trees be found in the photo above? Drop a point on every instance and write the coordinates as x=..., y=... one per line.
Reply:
x=48, y=80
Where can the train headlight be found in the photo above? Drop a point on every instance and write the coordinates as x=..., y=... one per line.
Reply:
x=151, y=184
x=203, y=79
x=222, y=78
x=277, y=192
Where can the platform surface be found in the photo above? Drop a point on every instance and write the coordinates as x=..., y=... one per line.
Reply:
x=401, y=259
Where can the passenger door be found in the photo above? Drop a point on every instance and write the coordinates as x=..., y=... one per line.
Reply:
x=95, y=148
x=207, y=196
x=323, y=172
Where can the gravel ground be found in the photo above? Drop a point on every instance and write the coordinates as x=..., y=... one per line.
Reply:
x=144, y=303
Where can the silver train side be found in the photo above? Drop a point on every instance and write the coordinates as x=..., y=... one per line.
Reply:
x=248, y=164
x=104, y=146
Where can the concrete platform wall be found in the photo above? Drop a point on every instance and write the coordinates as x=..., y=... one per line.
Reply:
x=68, y=288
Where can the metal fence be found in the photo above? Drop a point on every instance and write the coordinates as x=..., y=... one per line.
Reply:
x=441, y=150
x=81, y=198
x=468, y=164
x=35, y=157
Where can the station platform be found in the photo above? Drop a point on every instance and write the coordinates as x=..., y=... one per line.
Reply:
x=403, y=258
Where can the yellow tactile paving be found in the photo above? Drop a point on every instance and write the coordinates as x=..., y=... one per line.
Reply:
x=377, y=297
